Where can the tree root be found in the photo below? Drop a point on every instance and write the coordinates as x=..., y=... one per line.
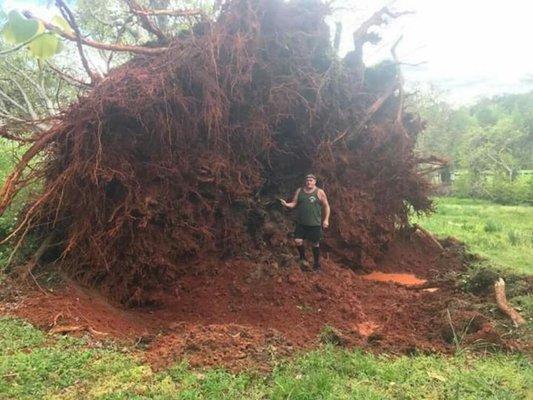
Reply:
x=501, y=301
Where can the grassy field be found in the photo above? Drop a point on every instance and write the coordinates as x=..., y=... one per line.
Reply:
x=502, y=234
x=35, y=365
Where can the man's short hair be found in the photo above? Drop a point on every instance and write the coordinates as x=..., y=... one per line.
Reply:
x=310, y=176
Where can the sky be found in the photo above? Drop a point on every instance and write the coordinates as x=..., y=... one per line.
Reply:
x=469, y=48
x=466, y=49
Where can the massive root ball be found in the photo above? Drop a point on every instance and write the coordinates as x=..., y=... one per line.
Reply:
x=178, y=156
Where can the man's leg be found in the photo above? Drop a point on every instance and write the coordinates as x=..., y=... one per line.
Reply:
x=300, y=246
x=316, y=256
x=315, y=236
x=299, y=235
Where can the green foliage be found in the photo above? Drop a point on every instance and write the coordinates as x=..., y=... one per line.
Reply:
x=489, y=144
x=501, y=233
x=330, y=335
x=45, y=46
x=492, y=226
x=19, y=30
x=496, y=187
x=17, y=335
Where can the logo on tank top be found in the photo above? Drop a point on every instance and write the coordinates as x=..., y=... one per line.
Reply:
x=312, y=199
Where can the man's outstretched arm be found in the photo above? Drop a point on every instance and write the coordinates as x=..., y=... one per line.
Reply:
x=294, y=201
x=325, y=208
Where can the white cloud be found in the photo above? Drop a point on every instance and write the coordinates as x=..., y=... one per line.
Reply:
x=470, y=48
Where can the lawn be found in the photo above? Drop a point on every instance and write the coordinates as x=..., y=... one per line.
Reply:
x=502, y=234
x=35, y=365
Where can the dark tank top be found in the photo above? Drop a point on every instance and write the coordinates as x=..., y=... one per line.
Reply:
x=309, y=208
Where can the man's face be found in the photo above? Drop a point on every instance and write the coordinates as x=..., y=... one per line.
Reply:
x=310, y=183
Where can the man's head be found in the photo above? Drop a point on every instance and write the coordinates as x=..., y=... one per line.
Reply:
x=310, y=181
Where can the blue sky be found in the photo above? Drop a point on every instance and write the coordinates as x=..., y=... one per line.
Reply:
x=469, y=48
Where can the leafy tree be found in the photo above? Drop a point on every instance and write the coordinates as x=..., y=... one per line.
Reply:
x=488, y=143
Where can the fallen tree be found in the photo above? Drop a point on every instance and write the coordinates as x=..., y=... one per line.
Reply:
x=180, y=154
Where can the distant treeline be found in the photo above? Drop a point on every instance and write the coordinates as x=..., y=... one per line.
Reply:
x=489, y=145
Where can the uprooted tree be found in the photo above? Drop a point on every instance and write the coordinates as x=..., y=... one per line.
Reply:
x=180, y=153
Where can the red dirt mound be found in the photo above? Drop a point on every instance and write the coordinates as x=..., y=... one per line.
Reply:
x=243, y=314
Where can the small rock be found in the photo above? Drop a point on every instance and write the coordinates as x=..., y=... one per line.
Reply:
x=292, y=279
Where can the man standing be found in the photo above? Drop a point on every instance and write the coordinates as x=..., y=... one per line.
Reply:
x=313, y=212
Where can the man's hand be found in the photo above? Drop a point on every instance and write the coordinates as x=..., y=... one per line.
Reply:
x=325, y=224
x=283, y=203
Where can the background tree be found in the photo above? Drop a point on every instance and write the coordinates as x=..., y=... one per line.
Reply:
x=489, y=144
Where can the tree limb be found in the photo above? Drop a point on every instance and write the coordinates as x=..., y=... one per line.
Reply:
x=375, y=107
x=38, y=86
x=29, y=106
x=69, y=17
x=96, y=45
x=12, y=101
x=145, y=20
x=5, y=134
x=19, y=46
x=337, y=39
x=172, y=13
x=68, y=78
x=362, y=35
x=11, y=184
x=399, y=114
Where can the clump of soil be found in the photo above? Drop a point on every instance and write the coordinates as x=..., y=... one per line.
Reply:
x=482, y=282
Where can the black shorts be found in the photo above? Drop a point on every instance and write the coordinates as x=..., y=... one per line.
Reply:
x=311, y=233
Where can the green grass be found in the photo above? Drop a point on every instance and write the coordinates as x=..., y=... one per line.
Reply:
x=503, y=234
x=34, y=365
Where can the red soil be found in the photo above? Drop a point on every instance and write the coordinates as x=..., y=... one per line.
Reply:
x=402, y=279
x=240, y=314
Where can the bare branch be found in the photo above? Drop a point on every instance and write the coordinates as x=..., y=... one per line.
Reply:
x=4, y=114
x=19, y=46
x=120, y=32
x=38, y=86
x=374, y=108
x=69, y=17
x=399, y=113
x=362, y=36
x=97, y=45
x=145, y=19
x=12, y=184
x=337, y=39
x=29, y=107
x=12, y=101
x=172, y=13
x=68, y=78
x=5, y=134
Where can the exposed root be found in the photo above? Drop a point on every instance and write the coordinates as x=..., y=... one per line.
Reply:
x=501, y=301
x=181, y=152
